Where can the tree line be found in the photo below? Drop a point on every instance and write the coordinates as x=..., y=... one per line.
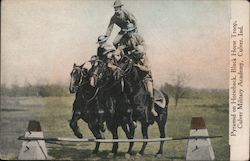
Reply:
x=176, y=90
x=34, y=90
x=179, y=92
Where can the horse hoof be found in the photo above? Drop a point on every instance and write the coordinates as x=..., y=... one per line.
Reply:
x=111, y=155
x=138, y=155
x=94, y=152
x=127, y=155
x=158, y=155
x=79, y=135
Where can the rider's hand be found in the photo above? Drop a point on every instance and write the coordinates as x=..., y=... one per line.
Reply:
x=136, y=65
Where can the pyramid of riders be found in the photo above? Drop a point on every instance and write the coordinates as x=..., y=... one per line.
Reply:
x=118, y=88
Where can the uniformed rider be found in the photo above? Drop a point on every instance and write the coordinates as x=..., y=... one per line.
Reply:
x=121, y=18
x=102, y=41
x=134, y=46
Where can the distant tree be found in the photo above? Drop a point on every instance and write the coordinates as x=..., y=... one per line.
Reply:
x=179, y=83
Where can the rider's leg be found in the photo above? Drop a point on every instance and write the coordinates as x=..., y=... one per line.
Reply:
x=117, y=39
x=149, y=84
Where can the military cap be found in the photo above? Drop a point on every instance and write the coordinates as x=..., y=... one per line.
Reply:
x=130, y=27
x=93, y=58
x=102, y=38
x=118, y=3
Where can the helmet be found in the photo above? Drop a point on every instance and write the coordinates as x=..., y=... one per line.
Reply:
x=93, y=58
x=102, y=38
x=130, y=27
x=118, y=3
x=108, y=49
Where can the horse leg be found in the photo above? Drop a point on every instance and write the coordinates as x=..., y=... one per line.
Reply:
x=144, y=129
x=161, y=124
x=73, y=123
x=115, y=136
x=130, y=135
x=97, y=134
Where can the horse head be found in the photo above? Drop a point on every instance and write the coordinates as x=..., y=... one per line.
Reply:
x=98, y=74
x=78, y=76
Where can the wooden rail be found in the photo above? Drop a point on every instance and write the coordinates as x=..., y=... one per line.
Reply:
x=115, y=140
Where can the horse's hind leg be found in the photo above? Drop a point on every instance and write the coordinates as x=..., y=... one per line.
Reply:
x=73, y=123
x=115, y=136
x=96, y=132
x=162, y=119
x=144, y=129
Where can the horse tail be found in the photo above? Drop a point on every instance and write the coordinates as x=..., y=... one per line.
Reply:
x=166, y=98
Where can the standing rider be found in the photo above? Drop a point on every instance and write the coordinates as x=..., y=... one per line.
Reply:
x=121, y=18
x=134, y=45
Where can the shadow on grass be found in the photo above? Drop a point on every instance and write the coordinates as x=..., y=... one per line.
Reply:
x=72, y=153
x=12, y=110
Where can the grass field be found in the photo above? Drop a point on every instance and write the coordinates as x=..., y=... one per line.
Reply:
x=54, y=113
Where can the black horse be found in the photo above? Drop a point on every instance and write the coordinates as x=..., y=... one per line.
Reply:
x=138, y=99
x=85, y=105
x=112, y=95
x=140, y=102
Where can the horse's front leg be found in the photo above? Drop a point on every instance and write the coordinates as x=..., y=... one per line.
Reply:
x=73, y=123
x=115, y=136
x=144, y=129
x=130, y=135
x=97, y=134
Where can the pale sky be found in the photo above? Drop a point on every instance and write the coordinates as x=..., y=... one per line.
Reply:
x=41, y=39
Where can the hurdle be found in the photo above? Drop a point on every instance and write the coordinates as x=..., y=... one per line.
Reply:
x=198, y=148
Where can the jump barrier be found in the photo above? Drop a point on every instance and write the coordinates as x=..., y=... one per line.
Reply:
x=199, y=146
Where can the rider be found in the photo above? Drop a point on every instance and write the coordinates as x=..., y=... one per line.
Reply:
x=121, y=18
x=134, y=46
x=102, y=41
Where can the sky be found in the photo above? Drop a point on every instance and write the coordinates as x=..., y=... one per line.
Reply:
x=42, y=39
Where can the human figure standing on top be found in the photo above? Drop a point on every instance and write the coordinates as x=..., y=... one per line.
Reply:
x=121, y=18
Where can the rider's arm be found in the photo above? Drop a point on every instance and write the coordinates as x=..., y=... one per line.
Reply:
x=146, y=66
x=142, y=43
x=131, y=17
x=110, y=27
x=110, y=63
x=112, y=66
x=120, y=49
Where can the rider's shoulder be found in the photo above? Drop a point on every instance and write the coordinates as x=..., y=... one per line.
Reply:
x=126, y=12
x=137, y=36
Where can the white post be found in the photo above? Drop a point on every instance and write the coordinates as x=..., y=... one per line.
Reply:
x=34, y=149
x=200, y=149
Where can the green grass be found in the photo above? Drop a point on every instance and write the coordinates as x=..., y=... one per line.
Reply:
x=57, y=112
x=54, y=113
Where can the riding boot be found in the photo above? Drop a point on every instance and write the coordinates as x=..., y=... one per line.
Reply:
x=101, y=120
x=152, y=105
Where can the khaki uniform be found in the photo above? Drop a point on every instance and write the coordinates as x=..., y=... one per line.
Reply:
x=122, y=21
x=128, y=45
